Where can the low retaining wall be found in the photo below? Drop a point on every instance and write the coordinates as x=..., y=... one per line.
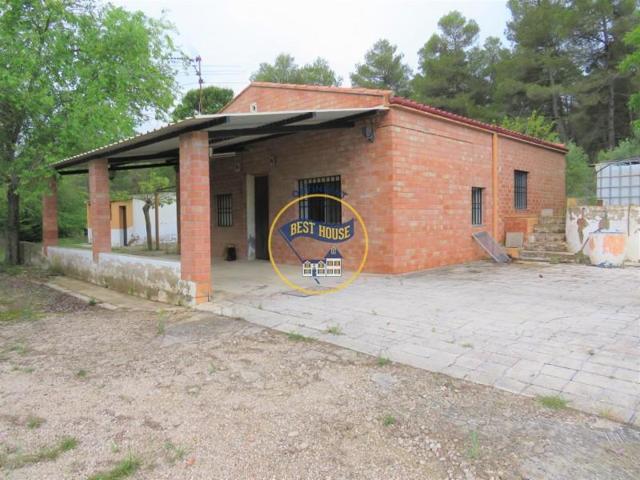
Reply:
x=31, y=254
x=141, y=276
x=581, y=221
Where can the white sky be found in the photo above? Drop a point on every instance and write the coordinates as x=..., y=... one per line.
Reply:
x=234, y=36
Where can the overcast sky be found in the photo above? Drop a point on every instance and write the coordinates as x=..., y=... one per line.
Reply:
x=234, y=36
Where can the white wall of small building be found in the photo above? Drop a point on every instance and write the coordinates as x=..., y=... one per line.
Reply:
x=137, y=232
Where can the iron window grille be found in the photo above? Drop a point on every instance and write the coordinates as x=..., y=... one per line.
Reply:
x=520, y=190
x=476, y=206
x=225, y=210
x=320, y=209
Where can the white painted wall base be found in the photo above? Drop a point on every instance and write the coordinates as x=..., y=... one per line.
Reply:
x=146, y=277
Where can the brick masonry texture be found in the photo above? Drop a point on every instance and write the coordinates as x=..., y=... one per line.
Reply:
x=412, y=185
x=99, y=206
x=195, y=213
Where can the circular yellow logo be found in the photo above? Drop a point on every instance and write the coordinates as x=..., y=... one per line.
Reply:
x=332, y=234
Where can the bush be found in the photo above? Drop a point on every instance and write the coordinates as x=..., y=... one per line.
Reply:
x=580, y=175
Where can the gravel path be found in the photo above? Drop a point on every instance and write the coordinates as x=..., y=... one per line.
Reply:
x=192, y=395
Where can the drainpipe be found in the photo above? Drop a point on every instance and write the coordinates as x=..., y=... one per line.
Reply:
x=494, y=184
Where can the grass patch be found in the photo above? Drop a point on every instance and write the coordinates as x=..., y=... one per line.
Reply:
x=17, y=314
x=174, y=453
x=382, y=361
x=82, y=373
x=92, y=302
x=17, y=368
x=123, y=469
x=19, y=348
x=10, y=269
x=45, y=454
x=474, y=445
x=161, y=325
x=467, y=345
x=334, y=330
x=554, y=402
x=389, y=420
x=298, y=337
x=34, y=422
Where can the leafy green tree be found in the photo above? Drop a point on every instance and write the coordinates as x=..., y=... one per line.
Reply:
x=535, y=125
x=627, y=148
x=601, y=93
x=75, y=75
x=540, y=72
x=579, y=175
x=213, y=99
x=447, y=78
x=631, y=64
x=285, y=70
x=383, y=68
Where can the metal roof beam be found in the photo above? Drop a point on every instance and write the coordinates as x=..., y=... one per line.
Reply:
x=199, y=126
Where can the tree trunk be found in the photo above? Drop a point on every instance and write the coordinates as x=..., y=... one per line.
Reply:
x=12, y=254
x=147, y=222
x=611, y=115
x=156, y=206
x=555, y=105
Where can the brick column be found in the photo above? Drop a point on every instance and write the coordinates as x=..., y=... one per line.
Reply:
x=50, y=216
x=100, y=206
x=177, y=169
x=195, y=228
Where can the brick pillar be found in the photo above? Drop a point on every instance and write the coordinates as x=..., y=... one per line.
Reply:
x=195, y=228
x=177, y=169
x=100, y=206
x=50, y=216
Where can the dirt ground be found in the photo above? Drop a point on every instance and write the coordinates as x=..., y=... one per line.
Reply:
x=167, y=395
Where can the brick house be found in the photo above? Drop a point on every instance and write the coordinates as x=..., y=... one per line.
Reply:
x=422, y=179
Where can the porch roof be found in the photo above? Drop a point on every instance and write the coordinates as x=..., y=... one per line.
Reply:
x=228, y=133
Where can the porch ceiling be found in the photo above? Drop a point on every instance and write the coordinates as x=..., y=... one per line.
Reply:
x=228, y=132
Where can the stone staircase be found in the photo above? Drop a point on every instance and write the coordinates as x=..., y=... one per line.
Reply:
x=547, y=243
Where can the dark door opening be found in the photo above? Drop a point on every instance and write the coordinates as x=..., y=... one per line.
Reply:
x=262, y=217
x=123, y=225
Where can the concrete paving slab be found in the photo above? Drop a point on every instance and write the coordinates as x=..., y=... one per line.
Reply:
x=535, y=329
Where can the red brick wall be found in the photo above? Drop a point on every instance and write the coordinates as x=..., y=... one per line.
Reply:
x=365, y=170
x=545, y=182
x=412, y=185
x=99, y=207
x=274, y=97
x=436, y=163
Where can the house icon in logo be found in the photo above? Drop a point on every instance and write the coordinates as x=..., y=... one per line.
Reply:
x=330, y=266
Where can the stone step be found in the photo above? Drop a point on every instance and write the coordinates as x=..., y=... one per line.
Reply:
x=546, y=256
x=546, y=237
x=547, y=246
x=549, y=228
x=551, y=220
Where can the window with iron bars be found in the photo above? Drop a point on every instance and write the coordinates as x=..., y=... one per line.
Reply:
x=224, y=209
x=520, y=190
x=320, y=209
x=476, y=206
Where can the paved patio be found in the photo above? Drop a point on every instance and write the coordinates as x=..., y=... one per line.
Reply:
x=533, y=329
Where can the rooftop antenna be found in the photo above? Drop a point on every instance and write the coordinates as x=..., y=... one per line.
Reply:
x=198, y=67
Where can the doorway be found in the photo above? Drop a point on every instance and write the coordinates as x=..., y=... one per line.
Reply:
x=262, y=217
x=123, y=225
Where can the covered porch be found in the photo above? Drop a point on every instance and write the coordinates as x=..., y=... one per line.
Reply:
x=191, y=147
